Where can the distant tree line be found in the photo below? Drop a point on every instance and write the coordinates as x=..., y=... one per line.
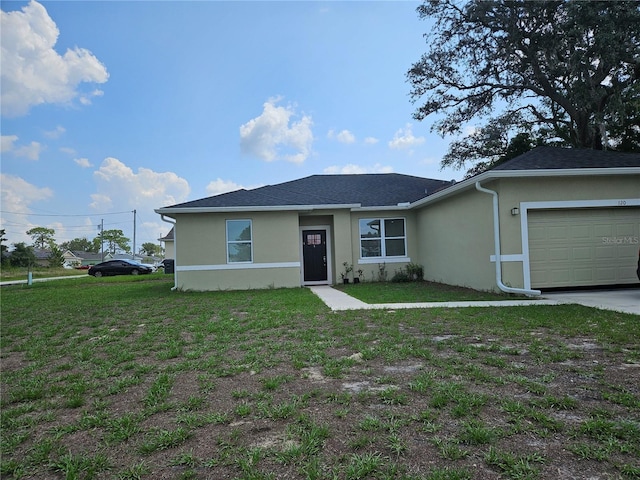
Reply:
x=43, y=238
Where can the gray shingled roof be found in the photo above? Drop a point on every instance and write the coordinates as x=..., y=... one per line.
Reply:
x=570, y=158
x=368, y=190
x=391, y=189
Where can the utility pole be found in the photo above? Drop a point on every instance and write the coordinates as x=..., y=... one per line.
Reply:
x=102, y=240
x=134, y=235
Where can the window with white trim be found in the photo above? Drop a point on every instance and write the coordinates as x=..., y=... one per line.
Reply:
x=239, y=241
x=382, y=237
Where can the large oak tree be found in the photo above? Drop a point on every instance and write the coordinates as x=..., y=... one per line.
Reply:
x=555, y=72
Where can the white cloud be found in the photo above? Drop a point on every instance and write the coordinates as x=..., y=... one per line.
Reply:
x=83, y=162
x=31, y=151
x=101, y=201
x=344, y=136
x=56, y=132
x=219, y=186
x=371, y=140
x=358, y=169
x=270, y=137
x=404, y=139
x=6, y=142
x=120, y=188
x=16, y=196
x=33, y=73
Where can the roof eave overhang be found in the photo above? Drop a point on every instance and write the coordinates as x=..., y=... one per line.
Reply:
x=396, y=208
x=273, y=208
x=496, y=175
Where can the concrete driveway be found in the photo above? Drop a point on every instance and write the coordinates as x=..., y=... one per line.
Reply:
x=620, y=300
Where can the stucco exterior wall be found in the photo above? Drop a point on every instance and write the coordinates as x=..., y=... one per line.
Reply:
x=452, y=238
x=169, y=249
x=456, y=233
x=456, y=240
x=342, y=238
x=515, y=191
x=370, y=266
x=201, y=252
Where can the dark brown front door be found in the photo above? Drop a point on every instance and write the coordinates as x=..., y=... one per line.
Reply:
x=314, y=255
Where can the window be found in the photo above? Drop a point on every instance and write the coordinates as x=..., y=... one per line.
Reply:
x=239, y=241
x=314, y=239
x=382, y=237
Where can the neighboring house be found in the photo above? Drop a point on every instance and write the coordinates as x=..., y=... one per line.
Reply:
x=127, y=256
x=549, y=218
x=71, y=259
x=90, y=258
x=42, y=257
x=169, y=248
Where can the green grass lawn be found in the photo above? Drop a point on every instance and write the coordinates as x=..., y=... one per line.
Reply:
x=412, y=292
x=121, y=378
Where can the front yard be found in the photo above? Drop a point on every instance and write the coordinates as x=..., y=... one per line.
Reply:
x=122, y=378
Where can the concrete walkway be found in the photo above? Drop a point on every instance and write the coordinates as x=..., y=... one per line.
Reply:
x=337, y=300
x=626, y=301
x=34, y=280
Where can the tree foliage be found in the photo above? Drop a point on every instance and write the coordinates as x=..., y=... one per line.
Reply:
x=114, y=242
x=79, y=245
x=43, y=237
x=564, y=72
x=22, y=255
x=56, y=257
x=3, y=248
x=150, y=248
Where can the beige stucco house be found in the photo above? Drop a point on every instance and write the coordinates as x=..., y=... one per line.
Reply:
x=549, y=218
x=169, y=247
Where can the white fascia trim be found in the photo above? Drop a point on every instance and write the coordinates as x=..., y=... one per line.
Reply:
x=376, y=260
x=611, y=202
x=237, y=266
x=275, y=208
x=550, y=172
x=395, y=208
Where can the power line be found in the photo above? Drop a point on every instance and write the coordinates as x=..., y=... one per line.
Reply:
x=64, y=215
x=66, y=227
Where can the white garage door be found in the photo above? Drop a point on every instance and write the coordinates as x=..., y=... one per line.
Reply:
x=583, y=247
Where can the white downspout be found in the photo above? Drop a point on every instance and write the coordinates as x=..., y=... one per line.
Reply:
x=496, y=239
x=175, y=251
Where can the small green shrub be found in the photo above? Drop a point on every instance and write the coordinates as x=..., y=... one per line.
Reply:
x=400, y=276
x=415, y=272
x=410, y=273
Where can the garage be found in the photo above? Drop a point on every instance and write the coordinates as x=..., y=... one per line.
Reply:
x=581, y=247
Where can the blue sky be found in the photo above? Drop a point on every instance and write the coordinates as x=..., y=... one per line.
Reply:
x=110, y=107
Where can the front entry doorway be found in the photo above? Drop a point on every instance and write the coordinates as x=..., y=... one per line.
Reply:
x=315, y=259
